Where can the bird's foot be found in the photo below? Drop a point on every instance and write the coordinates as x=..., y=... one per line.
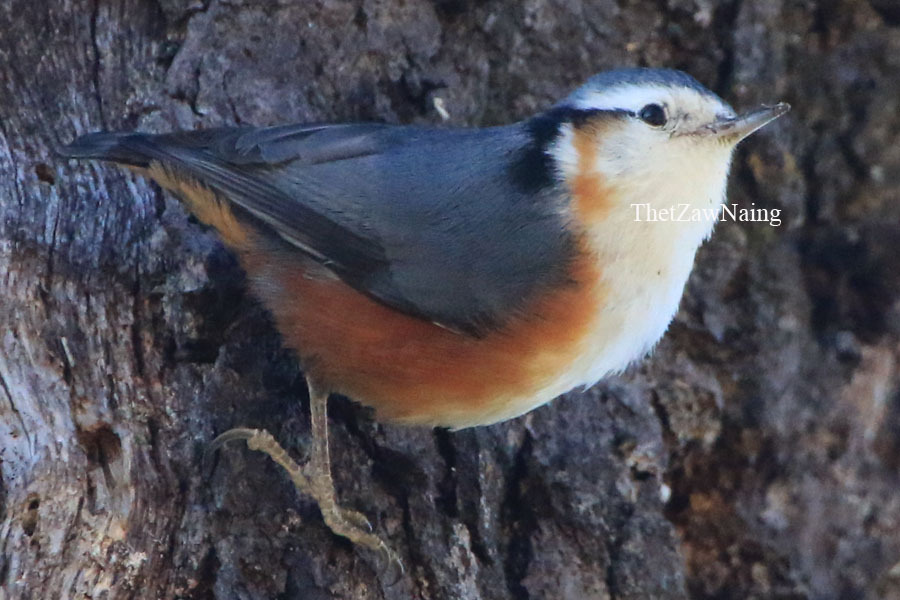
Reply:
x=347, y=523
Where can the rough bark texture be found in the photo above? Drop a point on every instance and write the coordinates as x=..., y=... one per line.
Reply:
x=756, y=454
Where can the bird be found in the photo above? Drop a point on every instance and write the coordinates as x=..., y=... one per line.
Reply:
x=457, y=277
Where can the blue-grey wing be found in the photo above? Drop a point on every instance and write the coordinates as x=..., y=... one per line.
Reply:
x=429, y=221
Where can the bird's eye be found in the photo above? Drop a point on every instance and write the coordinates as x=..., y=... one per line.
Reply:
x=653, y=114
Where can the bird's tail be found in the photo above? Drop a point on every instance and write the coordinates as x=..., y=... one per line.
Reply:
x=124, y=148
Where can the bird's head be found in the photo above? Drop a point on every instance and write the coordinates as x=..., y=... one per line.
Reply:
x=650, y=135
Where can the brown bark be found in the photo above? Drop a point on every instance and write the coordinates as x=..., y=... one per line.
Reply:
x=756, y=454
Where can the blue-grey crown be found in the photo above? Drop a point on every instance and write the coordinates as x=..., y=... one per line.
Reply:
x=641, y=76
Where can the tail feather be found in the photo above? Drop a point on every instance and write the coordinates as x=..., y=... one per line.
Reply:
x=121, y=147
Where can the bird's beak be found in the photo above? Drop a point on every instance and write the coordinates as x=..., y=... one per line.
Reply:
x=733, y=129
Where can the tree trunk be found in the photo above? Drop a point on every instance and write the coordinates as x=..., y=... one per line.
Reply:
x=756, y=454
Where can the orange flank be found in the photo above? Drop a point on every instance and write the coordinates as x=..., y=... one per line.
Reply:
x=415, y=371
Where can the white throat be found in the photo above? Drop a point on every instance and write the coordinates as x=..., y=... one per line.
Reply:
x=645, y=262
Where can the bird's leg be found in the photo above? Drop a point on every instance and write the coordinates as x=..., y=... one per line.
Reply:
x=348, y=523
x=315, y=479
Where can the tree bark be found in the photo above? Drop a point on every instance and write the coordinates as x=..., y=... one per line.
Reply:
x=756, y=454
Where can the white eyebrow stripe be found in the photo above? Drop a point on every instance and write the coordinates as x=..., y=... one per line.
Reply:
x=631, y=97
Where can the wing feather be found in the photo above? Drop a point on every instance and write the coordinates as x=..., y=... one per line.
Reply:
x=427, y=221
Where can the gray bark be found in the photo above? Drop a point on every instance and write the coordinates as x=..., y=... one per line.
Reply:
x=756, y=453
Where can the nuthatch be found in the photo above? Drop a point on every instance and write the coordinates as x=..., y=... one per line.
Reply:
x=458, y=277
